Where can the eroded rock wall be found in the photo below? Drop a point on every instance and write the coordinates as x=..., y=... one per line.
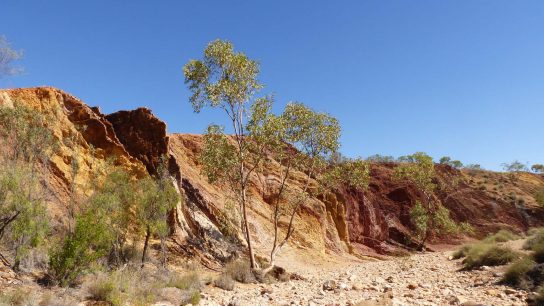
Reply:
x=339, y=221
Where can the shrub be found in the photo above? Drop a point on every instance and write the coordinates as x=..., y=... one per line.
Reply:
x=133, y=286
x=224, y=282
x=539, y=197
x=102, y=289
x=535, y=240
x=89, y=242
x=240, y=271
x=466, y=228
x=193, y=299
x=462, y=252
x=538, y=252
x=501, y=236
x=18, y=297
x=486, y=254
x=123, y=287
x=184, y=282
x=516, y=272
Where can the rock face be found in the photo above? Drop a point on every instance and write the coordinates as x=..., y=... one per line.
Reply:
x=142, y=134
x=336, y=221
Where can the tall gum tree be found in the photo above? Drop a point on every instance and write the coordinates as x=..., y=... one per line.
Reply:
x=227, y=80
x=299, y=138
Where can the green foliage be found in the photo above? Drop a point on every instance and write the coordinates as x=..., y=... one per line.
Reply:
x=24, y=136
x=419, y=170
x=157, y=197
x=473, y=167
x=18, y=297
x=314, y=134
x=132, y=286
x=514, y=166
x=26, y=145
x=186, y=281
x=219, y=156
x=462, y=251
x=429, y=216
x=377, y=158
x=488, y=254
x=515, y=275
x=535, y=240
x=538, y=252
x=223, y=78
x=91, y=240
x=7, y=57
x=446, y=160
x=227, y=80
x=501, y=236
x=466, y=228
x=537, y=168
x=442, y=222
x=420, y=218
x=353, y=173
x=22, y=210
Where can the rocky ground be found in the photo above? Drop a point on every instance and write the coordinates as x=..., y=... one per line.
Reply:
x=422, y=279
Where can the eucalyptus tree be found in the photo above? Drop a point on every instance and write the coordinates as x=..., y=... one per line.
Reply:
x=227, y=80
x=26, y=145
x=7, y=56
x=446, y=160
x=537, y=168
x=156, y=197
x=515, y=166
x=430, y=216
x=299, y=138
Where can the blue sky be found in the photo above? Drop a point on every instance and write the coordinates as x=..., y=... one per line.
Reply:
x=457, y=78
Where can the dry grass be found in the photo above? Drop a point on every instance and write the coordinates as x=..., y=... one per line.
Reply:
x=240, y=271
x=462, y=252
x=18, y=297
x=224, y=282
x=488, y=254
x=536, y=238
x=516, y=273
x=139, y=287
x=502, y=236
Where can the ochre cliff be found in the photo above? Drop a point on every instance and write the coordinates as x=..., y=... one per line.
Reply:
x=339, y=221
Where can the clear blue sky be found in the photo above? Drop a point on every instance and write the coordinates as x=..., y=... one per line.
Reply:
x=457, y=78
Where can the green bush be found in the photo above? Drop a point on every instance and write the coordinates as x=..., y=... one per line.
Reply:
x=487, y=254
x=515, y=274
x=462, y=252
x=501, y=236
x=90, y=241
x=536, y=238
x=194, y=298
x=130, y=286
x=187, y=281
x=18, y=297
x=102, y=289
x=538, y=253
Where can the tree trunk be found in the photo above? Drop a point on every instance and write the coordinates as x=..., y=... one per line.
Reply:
x=421, y=246
x=248, y=235
x=146, y=244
